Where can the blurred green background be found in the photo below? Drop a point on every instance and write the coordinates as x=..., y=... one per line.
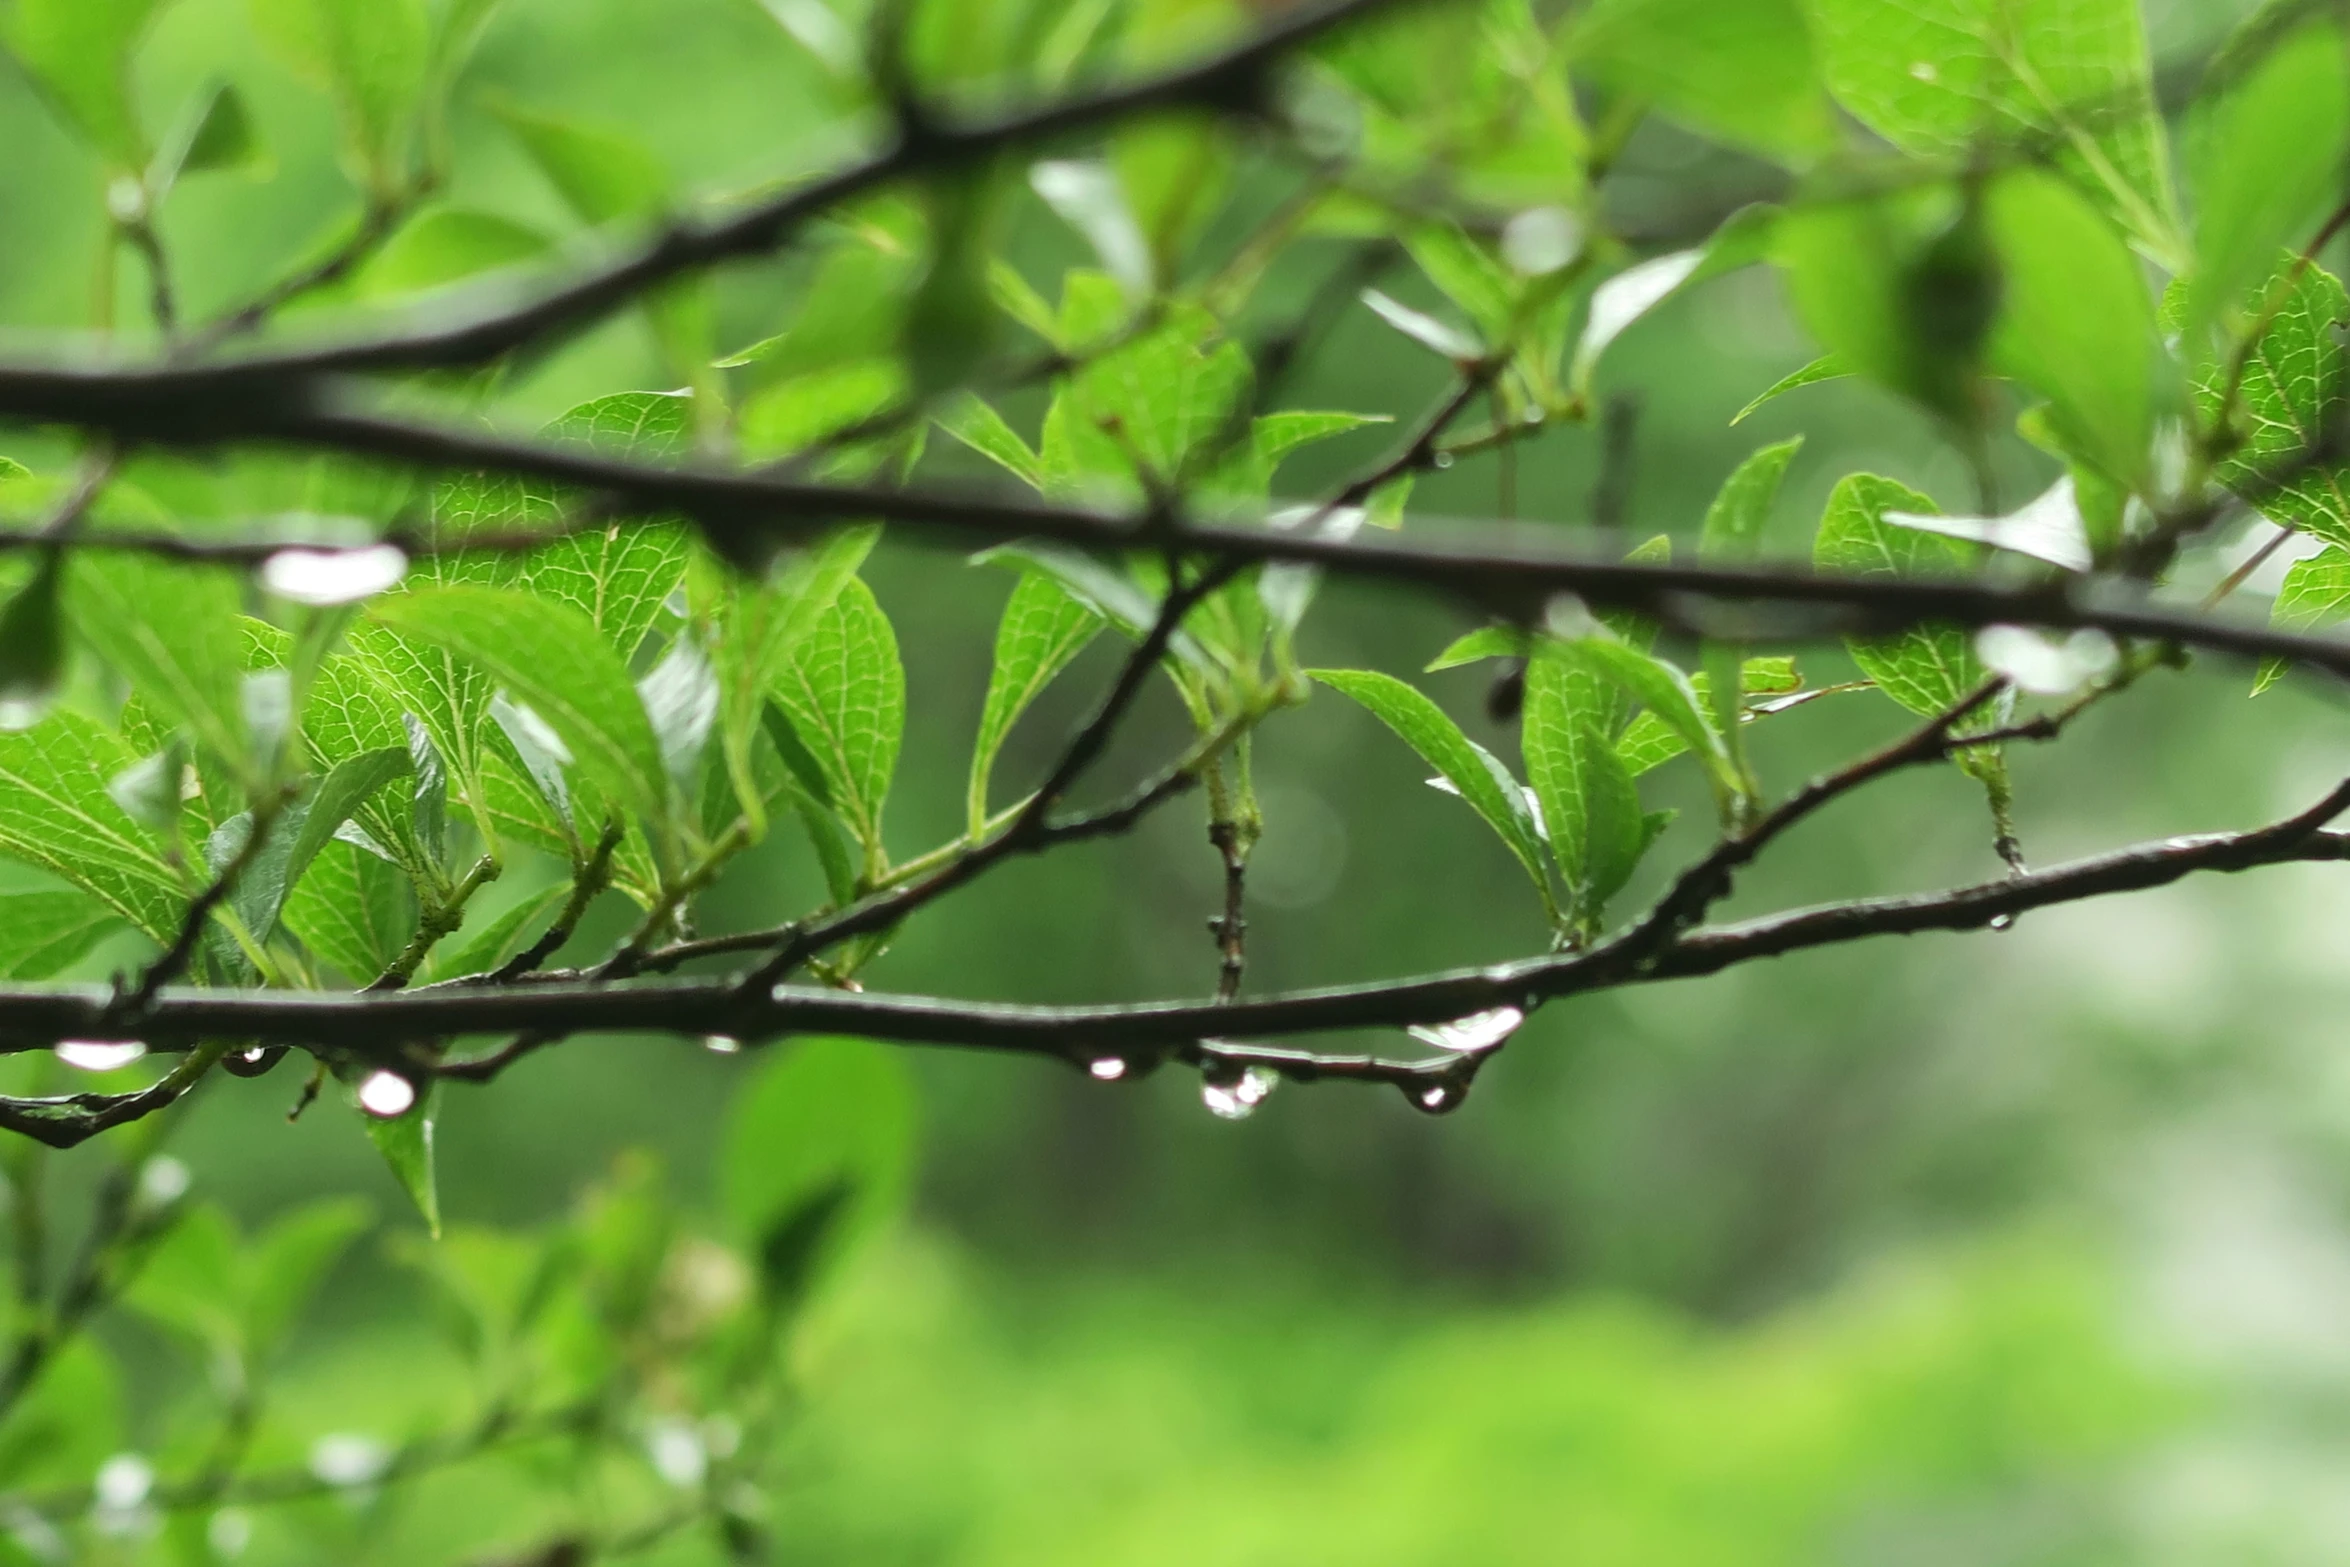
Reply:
x=2014, y=1248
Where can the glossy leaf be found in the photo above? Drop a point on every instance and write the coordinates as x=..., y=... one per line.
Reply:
x=1828, y=367
x=2295, y=387
x=1479, y=778
x=1932, y=76
x=1042, y=629
x=171, y=632
x=56, y=813
x=2315, y=594
x=406, y=1143
x=845, y=692
x=549, y=655
x=1925, y=669
x=45, y=930
x=353, y=910
x=1590, y=807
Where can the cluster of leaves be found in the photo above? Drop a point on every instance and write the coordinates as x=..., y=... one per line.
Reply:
x=620, y=1352
x=425, y=760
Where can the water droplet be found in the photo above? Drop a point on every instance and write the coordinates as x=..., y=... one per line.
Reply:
x=1535, y=416
x=1440, y=460
x=1238, y=1099
x=333, y=576
x=163, y=1181
x=1469, y=1035
x=1109, y=1068
x=120, y=1490
x=387, y=1095
x=99, y=1055
x=722, y=1045
x=1435, y=1098
x=2003, y=922
x=677, y=1453
x=346, y=1458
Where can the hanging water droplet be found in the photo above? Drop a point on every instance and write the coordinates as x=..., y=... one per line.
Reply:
x=324, y=577
x=1440, y=460
x=1109, y=1068
x=1435, y=1098
x=677, y=1453
x=387, y=1095
x=1469, y=1035
x=1535, y=416
x=2003, y=922
x=99, y=1055
x=722, y=1044
x=1239, y=1098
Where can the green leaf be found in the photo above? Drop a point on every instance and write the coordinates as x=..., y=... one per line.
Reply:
x=311, y=824
x=215, y=135
x=619, y=575
x=608, y=176
x=1089, y=198
x=190, y=1281
x=495, y=939
x=288, y=1261
x=56, y=813
x=1467, y=274
x=1165, y=395
x=1935, y=76
x=1472, y=770
x=2266, y=159
x=845, y=692
x=759, y=625
x=1589, y=803
x=603, y=174
x=1743, y=239
x=1828, y=367
x=2075, y=321
x=353, y=910
x=445, y=245
x=981, y=428
x=1043, y=628
x=551, y=656
x=32, y=643
x=44, y=930
x=823, y=1138
x=1483, y=643
x=852, y=309
x=370, y=56
x=1738, y=70
x=1424, y=329
x=1742, y=508
x=78, y=52
x=1118, y=600
x=171, y=631
x=1649, y=742
x=1928, y=668
x=1667, y=694
x=2296, y=382
x=1901, y=286
x=2315, y=594
x=789, y=416
x=680, y=696
x=406, y=1143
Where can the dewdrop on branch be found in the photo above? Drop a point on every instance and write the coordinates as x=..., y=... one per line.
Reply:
x=327, y=577
x=387, y=1095
x=99, y=1055
x=1238, y=1099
